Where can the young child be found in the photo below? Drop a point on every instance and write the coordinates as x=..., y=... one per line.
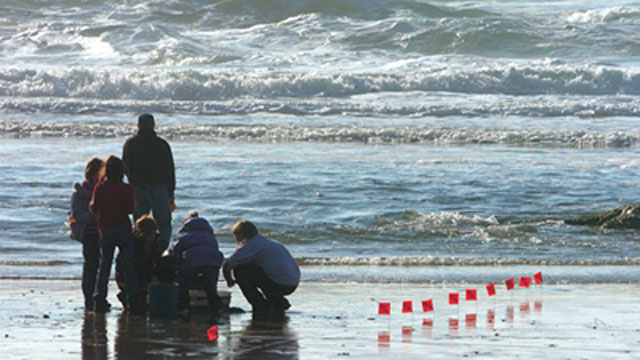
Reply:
x=112, y=202
x=196, y=253
x=145, y=258
x=85, y=229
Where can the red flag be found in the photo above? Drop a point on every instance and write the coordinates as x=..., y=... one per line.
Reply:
x=525, y=281
x=407, y=306
x=511, y=283
x=491, y=289
x=212, y=332
x=537, y=277
x=384, y=308
x=427, y=305
x=453, y=298
x=471, y=295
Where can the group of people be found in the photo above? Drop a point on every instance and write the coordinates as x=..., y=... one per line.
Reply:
x=99, y=218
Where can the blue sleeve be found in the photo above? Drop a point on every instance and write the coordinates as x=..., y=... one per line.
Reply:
x=244, y=254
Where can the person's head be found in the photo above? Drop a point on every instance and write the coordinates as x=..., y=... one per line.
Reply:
x=114, y=169
x=146, y=227
x=244, y=230
x=93, y=172
x=146, y=122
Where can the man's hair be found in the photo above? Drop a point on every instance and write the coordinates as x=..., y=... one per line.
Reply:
x=114, y=168
x=244, y=230
x=145, y=225
x=146, y=121
x=94, y=166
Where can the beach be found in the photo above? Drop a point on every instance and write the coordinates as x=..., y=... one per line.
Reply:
x=400, y=150
x=45, y=319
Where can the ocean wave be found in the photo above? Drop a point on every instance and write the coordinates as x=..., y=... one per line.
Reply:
x=201, y=85
x=452, y=261
x=340, y=134
x=603, y=16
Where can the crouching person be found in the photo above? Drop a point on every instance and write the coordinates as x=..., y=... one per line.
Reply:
x=197, y=256
x=265, y=271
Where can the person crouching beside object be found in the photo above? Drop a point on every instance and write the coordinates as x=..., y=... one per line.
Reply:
x=197, y=256
x=145, y=259
x=265, y=271
x=111, y=204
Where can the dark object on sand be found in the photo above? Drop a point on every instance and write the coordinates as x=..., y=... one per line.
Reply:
x=163, y=299
x=623, y=217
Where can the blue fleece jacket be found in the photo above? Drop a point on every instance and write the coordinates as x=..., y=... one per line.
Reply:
x=197, y=245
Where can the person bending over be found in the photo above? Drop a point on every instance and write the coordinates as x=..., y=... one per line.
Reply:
x=198, y=257
x=265, y=271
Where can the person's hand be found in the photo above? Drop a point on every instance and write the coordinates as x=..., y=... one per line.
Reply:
x=226, y=272
x=172, y=204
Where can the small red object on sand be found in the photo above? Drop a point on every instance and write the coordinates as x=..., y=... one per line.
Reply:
x=212, y=332
x=491, y=289
x=427, y=305
x=407, y=306
x=511, y=283
x=453, y=298
x=525, y=281
x=384, y=308
x=471, y=295
x=537, y=277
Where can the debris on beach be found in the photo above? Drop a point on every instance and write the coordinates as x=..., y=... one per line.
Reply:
x=623, y=217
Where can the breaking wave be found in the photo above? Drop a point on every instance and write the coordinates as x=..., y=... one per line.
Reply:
x=353, y=133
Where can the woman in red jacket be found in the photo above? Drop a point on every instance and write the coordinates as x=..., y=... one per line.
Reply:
x=112, y=202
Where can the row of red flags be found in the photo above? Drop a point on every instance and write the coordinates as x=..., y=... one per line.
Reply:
x=384, y=308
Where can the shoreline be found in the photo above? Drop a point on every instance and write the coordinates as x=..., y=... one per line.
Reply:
x=330, y=320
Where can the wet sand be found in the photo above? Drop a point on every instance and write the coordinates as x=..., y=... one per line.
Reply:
x=44, y=319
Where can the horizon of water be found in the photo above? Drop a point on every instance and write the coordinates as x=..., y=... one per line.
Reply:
x=401, y=140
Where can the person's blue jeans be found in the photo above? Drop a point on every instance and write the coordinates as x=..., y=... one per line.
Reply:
x=116, y=235
x=155, y=199
x=209, y=281
x=91, y=255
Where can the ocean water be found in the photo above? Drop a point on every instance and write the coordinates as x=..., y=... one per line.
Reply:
x=380, y=140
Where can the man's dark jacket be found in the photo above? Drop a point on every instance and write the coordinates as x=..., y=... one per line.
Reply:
x=148, y=161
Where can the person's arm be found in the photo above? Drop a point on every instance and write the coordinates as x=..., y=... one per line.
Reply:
x=78, y=211
x=130, y=201
x=171, y=174
x=95, y=201
x=226, y=272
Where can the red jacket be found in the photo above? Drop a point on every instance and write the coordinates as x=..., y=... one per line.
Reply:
x=112, y=202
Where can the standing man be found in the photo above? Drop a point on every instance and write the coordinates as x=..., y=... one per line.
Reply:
x=265, y=271
x=149, y=167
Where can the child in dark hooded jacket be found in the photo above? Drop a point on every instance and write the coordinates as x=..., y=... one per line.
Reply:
x=196, y=252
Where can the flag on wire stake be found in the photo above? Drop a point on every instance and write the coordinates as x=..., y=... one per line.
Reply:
x=384, y=308
x=471, y=295
x=537, y=277
x=407, y=306
x=525, y=281
x=212, y=333
x=491, y=289
x=453, y=298
x=427, y=305
x=511, y=283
